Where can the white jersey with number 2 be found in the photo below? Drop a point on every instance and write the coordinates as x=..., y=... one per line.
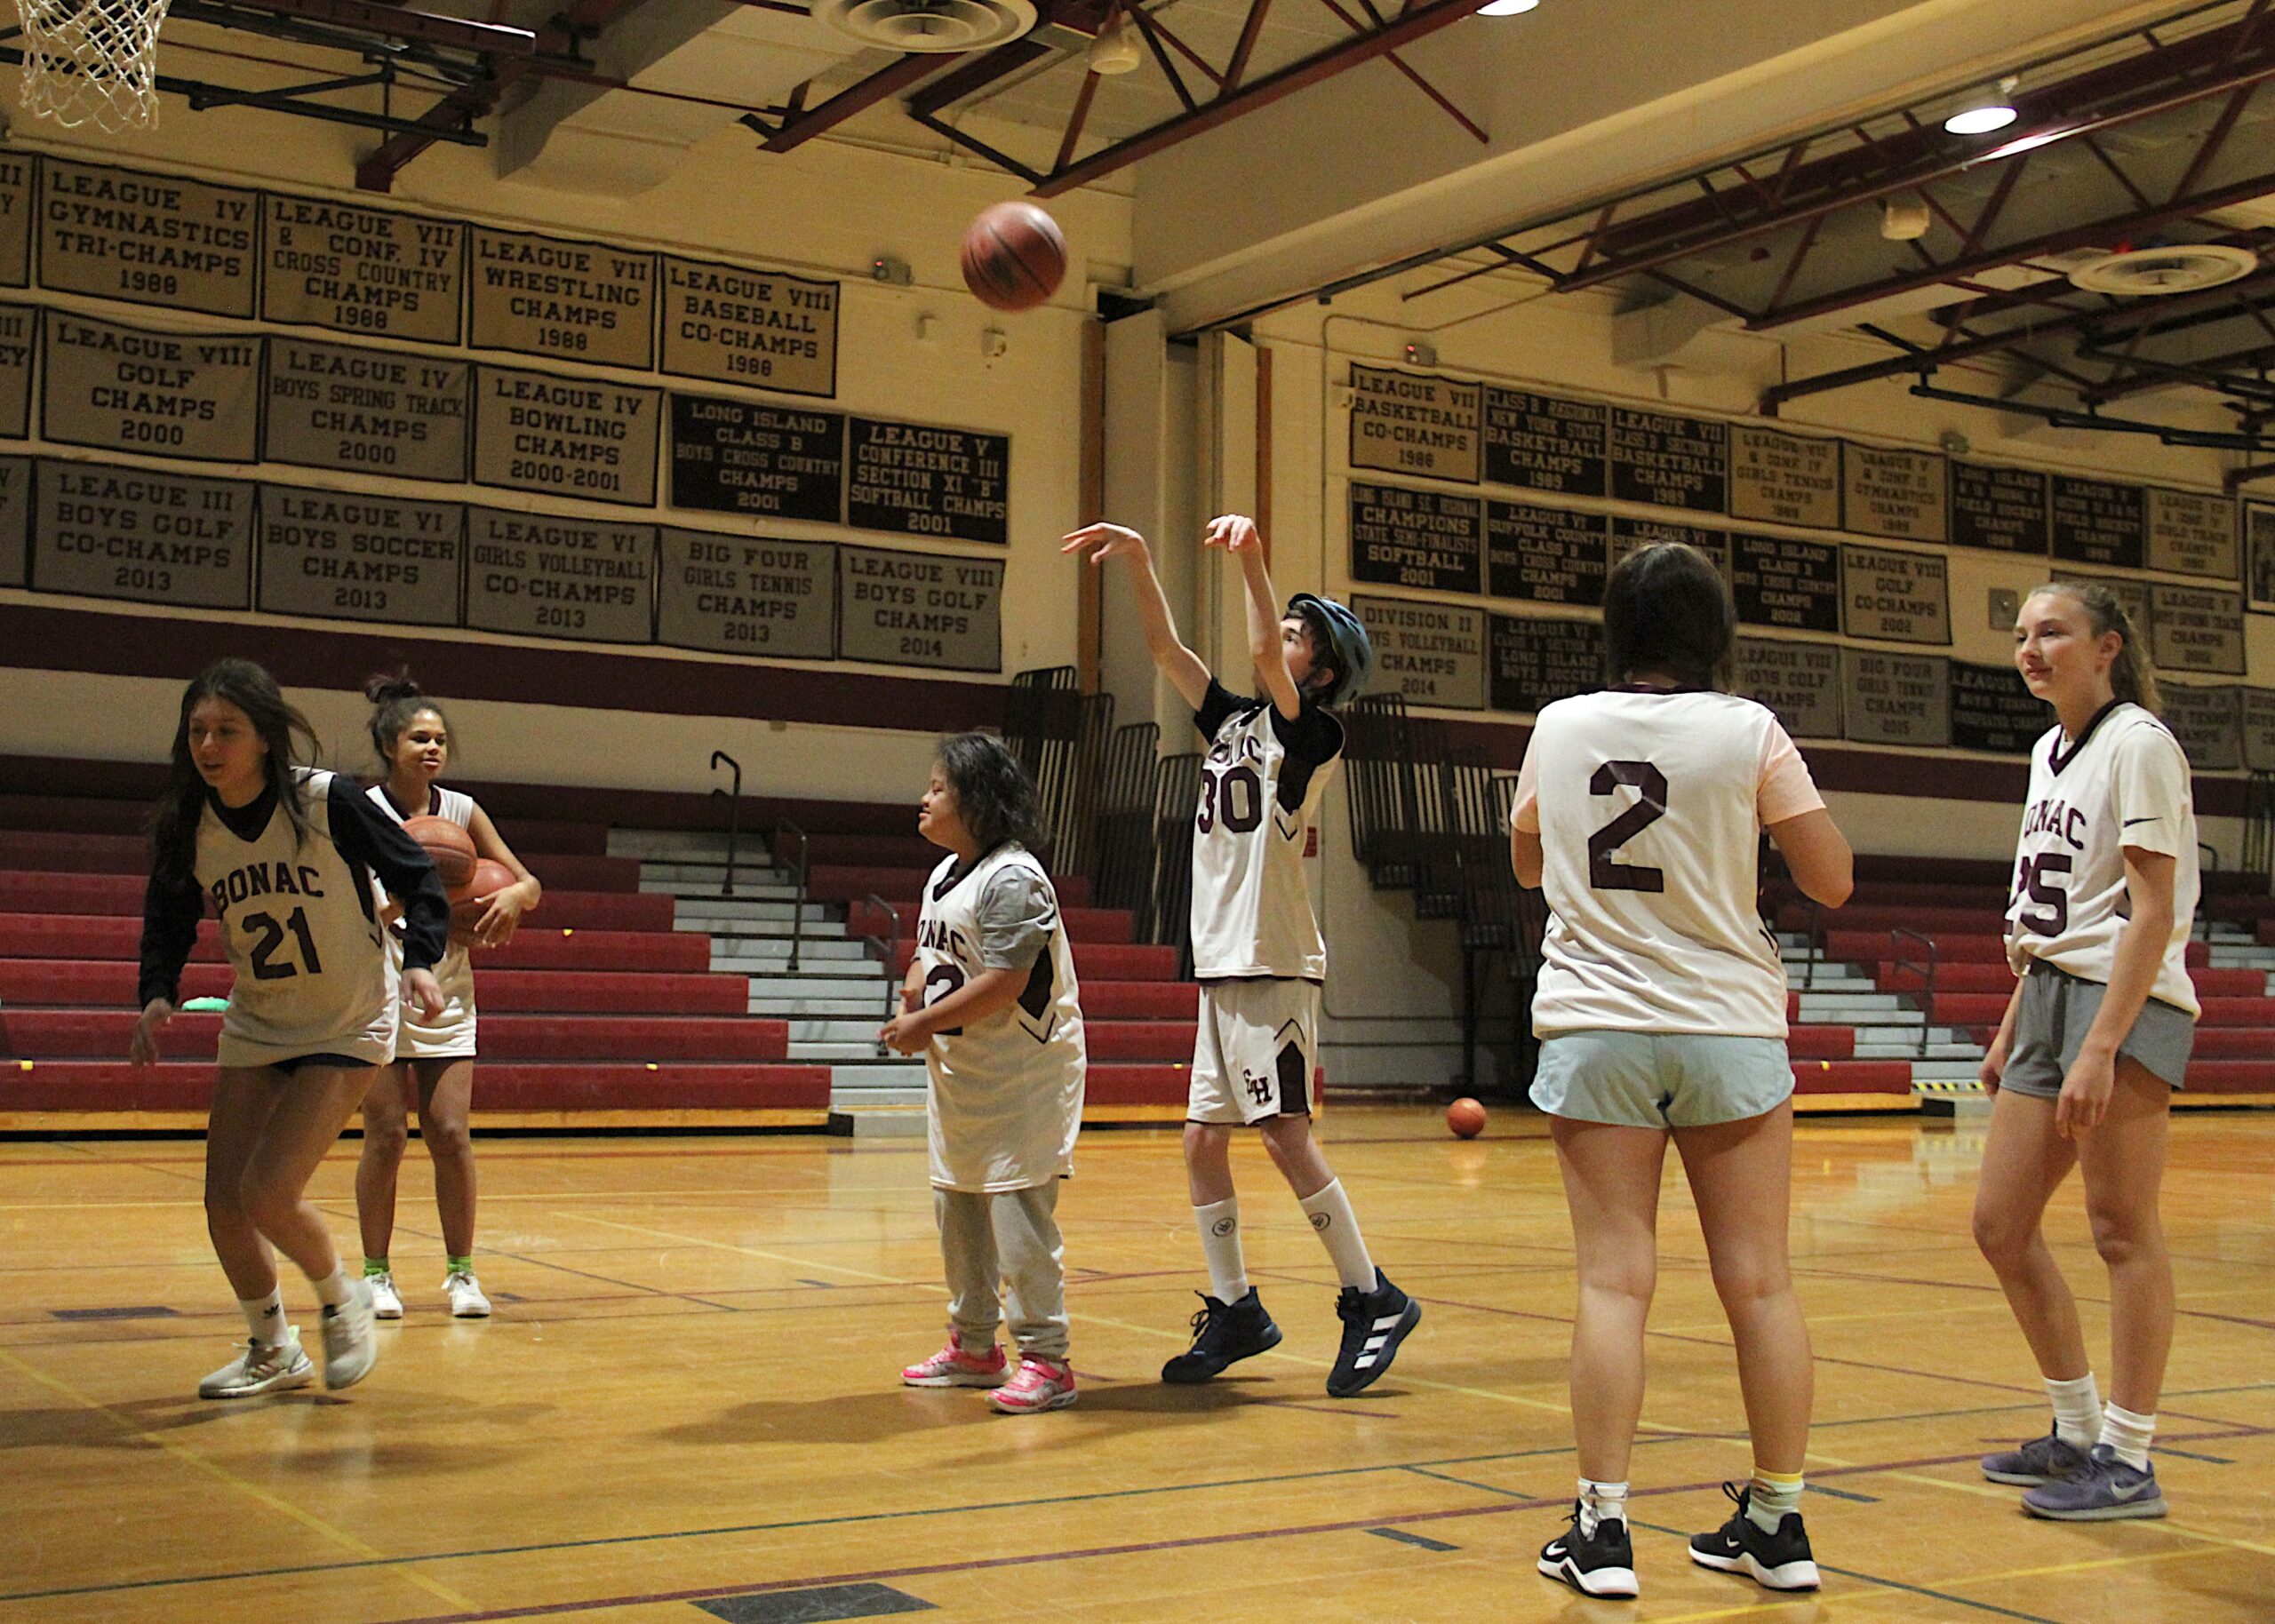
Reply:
x=1649, y=806
x=2125, y=782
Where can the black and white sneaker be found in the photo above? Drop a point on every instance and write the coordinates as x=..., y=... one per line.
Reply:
x=1780, y=1561
x=1222, y=1333
x=1601, y=1564
x=1374, y=1324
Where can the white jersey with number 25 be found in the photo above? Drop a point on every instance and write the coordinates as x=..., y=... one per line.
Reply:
x=1649, y=806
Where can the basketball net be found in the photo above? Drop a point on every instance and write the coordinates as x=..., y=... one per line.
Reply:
x=93, y=61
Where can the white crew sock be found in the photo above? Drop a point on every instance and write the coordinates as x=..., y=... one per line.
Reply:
x=1329, y=1211
x=2129, y=1435
x=2077, y=1411
x=1220, y=1244
x=1600, y=1503
x=265, y=1317
x=1773, y=1494
x=333, y=1291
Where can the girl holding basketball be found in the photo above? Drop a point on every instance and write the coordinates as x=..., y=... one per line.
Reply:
x=991, y=1004
x=1661, y=1010
x=433, y=1063
x=287, y=855
x=2095, y=1039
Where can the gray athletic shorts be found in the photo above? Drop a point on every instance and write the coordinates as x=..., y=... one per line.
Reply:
x=2058, y=1009
x=1661, y=1080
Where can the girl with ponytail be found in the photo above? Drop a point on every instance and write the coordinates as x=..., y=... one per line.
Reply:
x=2095, y=1039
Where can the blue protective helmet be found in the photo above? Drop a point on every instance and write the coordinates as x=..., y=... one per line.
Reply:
x=1351, y=651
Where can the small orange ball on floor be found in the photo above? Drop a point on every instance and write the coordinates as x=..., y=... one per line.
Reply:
x=1466, y=1117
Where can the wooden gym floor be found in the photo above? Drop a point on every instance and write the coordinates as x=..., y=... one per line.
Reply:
x=687, y=1407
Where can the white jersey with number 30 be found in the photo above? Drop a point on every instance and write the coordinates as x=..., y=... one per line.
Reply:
x=1649, y=806
x=2125, y=782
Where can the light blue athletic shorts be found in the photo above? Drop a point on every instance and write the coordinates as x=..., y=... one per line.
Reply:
x=1660, y=1079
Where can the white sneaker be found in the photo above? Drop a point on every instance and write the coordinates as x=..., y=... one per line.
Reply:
x=350, y=1348
x=262, y=1367
x=467, y=1301
x=387, y=1303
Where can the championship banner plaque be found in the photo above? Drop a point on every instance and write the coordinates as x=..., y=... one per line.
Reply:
x=2259, y=729
x=350, y=555
x=1545, y=556
x=555, y=297
x=1535, y=662
x=149, y=537
x=543, y=575
x=1992, y=711
x=1780, y=581
x=1428, y=538
x=2192, y=534
x=764, y=329
x=15, y=219
x=19, y=325
x=748, y=594
x=2208, y=723
x=1415, y=423
x=1546, y=444
x=2193, y=628
x=2001, y=510
x=1432, y=653
x=1787, y=479
x=747, y=457
x=377, y=272
x=1897, y=698
x=2133, y=595
x=1895, y=596
x=1669, y=461
x=148, y=239
x=566, y=437
x=15, y=519
x=366, y=410
x=1901, y=495
x=1629, y=534
x=165, y=394
x=1800, y=682
x=2098, y=521
x=919, y=609
x=2259, y=553
x=912, y=479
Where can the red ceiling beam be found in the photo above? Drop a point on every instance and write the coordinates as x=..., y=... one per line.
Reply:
x=399, y=22
x=1418, y=23
x=858, y=97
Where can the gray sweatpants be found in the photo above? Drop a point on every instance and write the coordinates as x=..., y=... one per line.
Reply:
x=1007, y=1239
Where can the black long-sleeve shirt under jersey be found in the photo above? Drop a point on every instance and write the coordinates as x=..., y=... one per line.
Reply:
x=367, y=838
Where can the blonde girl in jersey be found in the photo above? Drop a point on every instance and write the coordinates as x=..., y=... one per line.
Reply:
x=991, y=1004
x=1661, y=1010
x=2094, y=1041
x=433, y=1066
x=287, y=856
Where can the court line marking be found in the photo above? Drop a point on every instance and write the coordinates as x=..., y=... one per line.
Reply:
x=221, y=1474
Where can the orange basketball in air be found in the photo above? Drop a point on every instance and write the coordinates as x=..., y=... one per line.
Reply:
x=1013, y=255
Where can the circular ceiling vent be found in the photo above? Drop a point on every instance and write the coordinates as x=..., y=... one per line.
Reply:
x=929, y=25
x=2182, y=268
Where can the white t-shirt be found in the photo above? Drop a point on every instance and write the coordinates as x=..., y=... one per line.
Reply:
x=1006, y=1099
x=2124, y=783
x=1260, y=788
x=1649, y=806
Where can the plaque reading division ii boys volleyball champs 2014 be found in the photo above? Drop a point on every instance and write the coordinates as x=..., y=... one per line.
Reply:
x=1535, y=662
x=1901, y=495
x=366, y=410
x=2003, y=510
x=747, y=595
x=2098, y=521
x=919, y=609
x=163, y=394
x=1800, y=682
x=542, y=574
x=2191, y=534
x=1897, y=698
x=565, y=436
x=1897, y=597
x=147, y=239
x=1543, y=444
x=912, y=479
x=350, y=555
x=1430, y=653
x=1425, y=538
x=1785, y=478
x=373, y=271
x=744, y=456
x=1543, y=555
x=1779, y=581
x=107, y=532
x=761, y=328
x=1414, y=423
x=1669, y=461
x=549, y=296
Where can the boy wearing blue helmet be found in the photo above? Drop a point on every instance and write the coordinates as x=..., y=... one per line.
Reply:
x=1256, y=950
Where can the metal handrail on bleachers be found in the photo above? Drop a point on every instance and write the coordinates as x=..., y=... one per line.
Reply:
x=734, y=815
x=1382, y=789
x=2207, y=860
x=1495, y=917
x=2259, y=827
x=1124, y=854
x=886, y=945
x=1061, y=736
x=1926, y=972
x=798, y=883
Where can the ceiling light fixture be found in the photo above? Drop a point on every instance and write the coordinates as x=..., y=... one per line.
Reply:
x=1110, y=49
x=1506, y=8
x=1986, y=116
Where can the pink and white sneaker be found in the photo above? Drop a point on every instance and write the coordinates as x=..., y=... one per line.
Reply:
x=956, y=1366
x=1041, y=1384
